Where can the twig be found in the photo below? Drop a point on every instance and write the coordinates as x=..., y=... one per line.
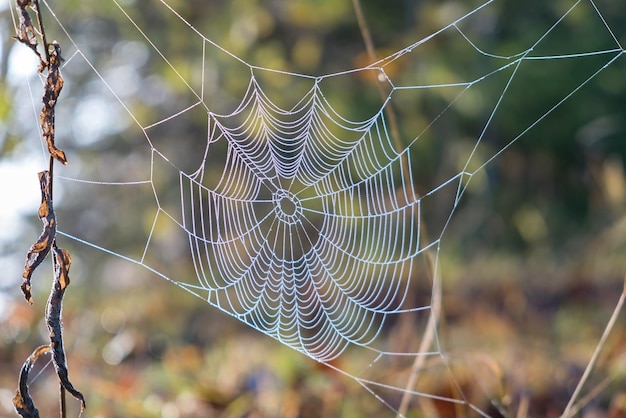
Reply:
x=50, y=61
x=593, y=393
x=42, y=30
x=365, y=32
x=63, y=406
x=431, y=327
x=522, y=409
x=389, y=113
x=570, y=409
x=427, y=339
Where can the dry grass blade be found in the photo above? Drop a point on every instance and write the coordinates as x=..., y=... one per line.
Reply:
x=572, y=407
x=429, y=336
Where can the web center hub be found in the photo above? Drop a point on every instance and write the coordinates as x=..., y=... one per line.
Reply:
x=287, y=206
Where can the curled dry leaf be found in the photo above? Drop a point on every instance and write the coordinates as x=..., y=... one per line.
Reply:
x=53, y=86
x=40, y=249
x=22, y=401
x=62, y=262
x=26, y=32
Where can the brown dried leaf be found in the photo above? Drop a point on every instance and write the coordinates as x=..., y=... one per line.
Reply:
x=40, y=249
x=22, y=401
x=53, y=86
x=26, y=32
x=62, y=262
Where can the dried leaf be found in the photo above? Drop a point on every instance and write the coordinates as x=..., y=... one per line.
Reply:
x=40, y=249
x=62, y=262
x=22, y=401
x=26, y=32
x=53, y=86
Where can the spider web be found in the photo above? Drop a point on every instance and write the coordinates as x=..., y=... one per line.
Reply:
x=303, y=217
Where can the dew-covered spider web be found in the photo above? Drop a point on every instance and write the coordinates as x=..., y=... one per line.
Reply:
x=314, y=218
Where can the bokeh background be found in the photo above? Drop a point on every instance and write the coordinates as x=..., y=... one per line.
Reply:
x=532, y=263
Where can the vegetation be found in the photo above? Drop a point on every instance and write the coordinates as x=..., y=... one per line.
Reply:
x=532, y=261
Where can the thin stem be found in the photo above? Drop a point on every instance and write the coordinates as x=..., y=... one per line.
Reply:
x=365, y=32
x=431, y=328
x=522, y=410
x=51, y=171
x=44, y=41
x=53, y=86
x=592, y=394
x=391, y=115
x=62, y=401
x=42, y=31
x=570, y=408
x=427, y=339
